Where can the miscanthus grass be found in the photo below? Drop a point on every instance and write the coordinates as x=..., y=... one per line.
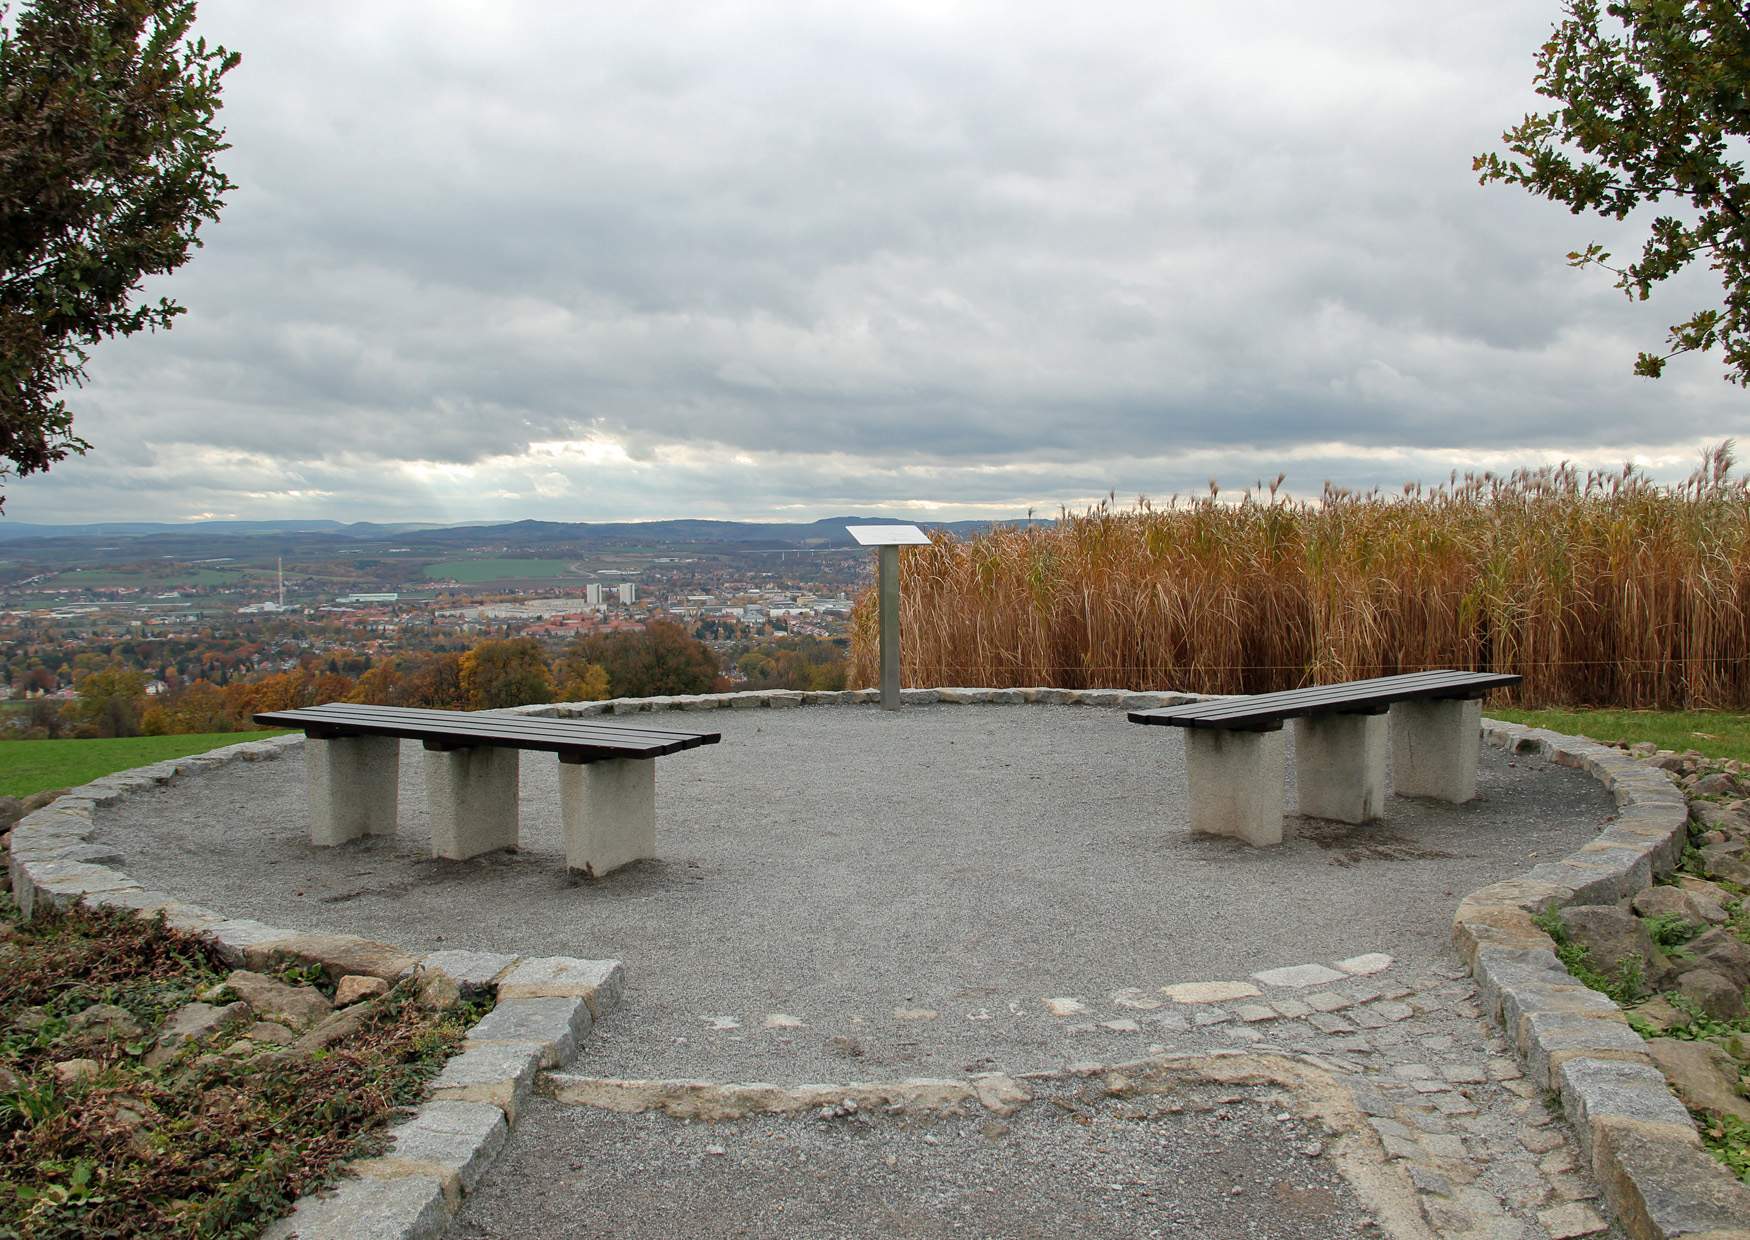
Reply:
x=1598, y=588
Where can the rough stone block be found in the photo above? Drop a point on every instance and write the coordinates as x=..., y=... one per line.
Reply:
x=1598, y=1090
x=598, y=983
x=454, y=1141
x=473, y=972
x=502, y=1074
x=1549, y=1039
x=472, y=798
x=609, y=813
x=1660, y=1182
x=405, y=1208
x=552, y=1026
x=353, y=787
x=1236, y=783
x=338, y=954
x=1339, y=767
x=236, y=938
x=1434, y=749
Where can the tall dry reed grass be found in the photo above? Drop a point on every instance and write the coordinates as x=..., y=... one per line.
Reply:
x=1598, y=589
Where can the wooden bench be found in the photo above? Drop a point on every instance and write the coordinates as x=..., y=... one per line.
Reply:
x=1234, y=752
x=607, y=778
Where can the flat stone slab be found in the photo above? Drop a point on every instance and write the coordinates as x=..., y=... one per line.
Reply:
x=502, y=1074
x=473, y=972
x=1362, y=966
x=451, y=1141
x=598, y=983
x=1299, y=975
x=554, y=1025
x=1210, y=992
x=409, y=1208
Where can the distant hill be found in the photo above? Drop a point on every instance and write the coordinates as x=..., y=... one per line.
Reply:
x=14, y=531
x=828, y=531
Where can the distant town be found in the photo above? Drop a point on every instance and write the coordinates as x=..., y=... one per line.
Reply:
x=220, y=604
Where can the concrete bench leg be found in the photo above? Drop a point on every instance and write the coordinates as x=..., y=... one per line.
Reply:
x=1434, y=748
x=352, y=783
x=609, y=809
x=1339, y=766
x=472, y=794
x=1236, y=783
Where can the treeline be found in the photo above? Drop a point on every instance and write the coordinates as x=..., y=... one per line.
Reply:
x=1599, y=589
x=661, y=659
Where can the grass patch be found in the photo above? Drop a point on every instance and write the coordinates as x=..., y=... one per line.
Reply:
x=205, y=1144
x=1716, y=733
x=34, y=766
x=474, y=571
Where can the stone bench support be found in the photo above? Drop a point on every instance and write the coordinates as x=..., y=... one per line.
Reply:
x=1434, y=748
x=1235, y=781
x=1339, y=766
x=609, y=811
x=472, y=797
x=353, y=784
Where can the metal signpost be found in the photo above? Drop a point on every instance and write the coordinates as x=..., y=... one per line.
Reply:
x=888, y=539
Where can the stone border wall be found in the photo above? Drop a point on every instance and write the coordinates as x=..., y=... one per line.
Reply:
x=1643, y=1147
x=545, y=1007
x=1645, y=1153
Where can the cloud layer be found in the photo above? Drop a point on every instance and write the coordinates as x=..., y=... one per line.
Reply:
x=761, y=259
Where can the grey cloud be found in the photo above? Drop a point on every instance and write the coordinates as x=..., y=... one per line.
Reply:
x=946, y=239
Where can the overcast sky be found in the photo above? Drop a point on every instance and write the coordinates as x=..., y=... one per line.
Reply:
x=761, y=259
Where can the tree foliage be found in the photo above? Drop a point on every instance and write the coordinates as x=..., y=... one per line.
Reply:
x=663, y=659
x=496, y=674
x=1655, y=104
x=110, y=702
x=107, y=171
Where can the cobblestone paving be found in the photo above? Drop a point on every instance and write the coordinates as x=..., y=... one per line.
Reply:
x=1440, y=1086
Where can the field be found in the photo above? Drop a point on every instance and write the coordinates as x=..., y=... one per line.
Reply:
x=33, y=766
x=473, y=572
x=98, y=578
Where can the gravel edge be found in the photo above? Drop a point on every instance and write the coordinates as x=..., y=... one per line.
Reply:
x=1645, y=1153
x=545, y=1007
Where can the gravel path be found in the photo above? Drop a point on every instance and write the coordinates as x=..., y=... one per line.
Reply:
x=900, y=889
x=1212, y=1163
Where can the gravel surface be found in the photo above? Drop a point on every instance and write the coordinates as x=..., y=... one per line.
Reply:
x=1212, y=1163
x=849, y=894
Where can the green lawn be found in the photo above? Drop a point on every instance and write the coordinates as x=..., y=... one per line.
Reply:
x=32, y=766
x=1716, y=733
x=497, y=570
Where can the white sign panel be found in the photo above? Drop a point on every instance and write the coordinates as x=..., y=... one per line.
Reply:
x=888, y=535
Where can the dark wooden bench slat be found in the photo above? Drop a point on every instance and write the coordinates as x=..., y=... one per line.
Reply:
x=1274, y=708
x=557, y=736
x=343, y=712
x=1359, y=691
x=625, y=738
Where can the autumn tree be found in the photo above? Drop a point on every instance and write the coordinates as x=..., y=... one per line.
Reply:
x=108, y=170
x=582, y=681
x=1652, y=110
x=496, y=674
x=663, y=659
x=110, y=702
